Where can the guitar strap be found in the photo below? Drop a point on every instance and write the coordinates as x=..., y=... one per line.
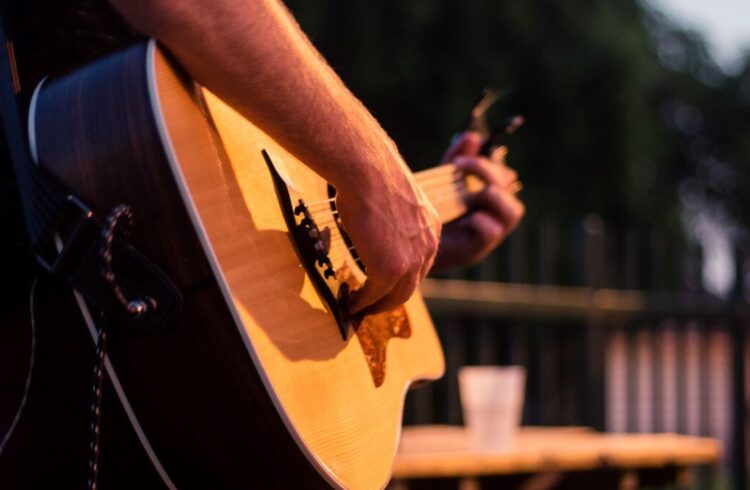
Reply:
x=70, y=242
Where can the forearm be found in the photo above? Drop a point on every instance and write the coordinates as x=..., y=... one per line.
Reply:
x=252, y=54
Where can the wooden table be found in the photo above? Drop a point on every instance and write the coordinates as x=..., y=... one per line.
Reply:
x=438, y=457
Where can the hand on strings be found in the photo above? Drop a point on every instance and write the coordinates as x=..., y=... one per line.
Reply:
x=396, y=233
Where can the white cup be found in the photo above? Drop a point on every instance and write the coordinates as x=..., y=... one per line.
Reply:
x=492, y=401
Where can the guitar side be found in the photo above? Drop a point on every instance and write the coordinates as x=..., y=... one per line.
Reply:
x=254, y=385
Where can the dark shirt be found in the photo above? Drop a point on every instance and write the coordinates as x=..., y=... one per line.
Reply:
x=54, y=36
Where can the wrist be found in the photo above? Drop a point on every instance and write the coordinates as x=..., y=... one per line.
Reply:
x=368, y=167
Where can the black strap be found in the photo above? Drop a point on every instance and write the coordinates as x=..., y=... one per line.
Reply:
x=66, y=236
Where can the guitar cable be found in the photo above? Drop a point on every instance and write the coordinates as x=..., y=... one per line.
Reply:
x=27, y=386
x=96, y=405
x=117, y=386
x=134, y=307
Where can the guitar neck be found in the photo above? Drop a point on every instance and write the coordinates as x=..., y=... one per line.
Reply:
x=446, y=189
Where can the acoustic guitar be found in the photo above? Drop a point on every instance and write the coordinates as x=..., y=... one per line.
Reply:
x=263, y=381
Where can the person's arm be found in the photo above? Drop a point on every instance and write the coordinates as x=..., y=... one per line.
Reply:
x=253, y=54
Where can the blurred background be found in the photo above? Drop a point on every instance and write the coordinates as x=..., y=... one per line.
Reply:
x=624, y=291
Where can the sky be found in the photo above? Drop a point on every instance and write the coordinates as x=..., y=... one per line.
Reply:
x=725, y=25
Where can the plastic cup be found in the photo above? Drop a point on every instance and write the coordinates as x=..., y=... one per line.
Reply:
x=492, y=401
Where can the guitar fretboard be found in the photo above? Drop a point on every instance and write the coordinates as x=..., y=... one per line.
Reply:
x=446, y=189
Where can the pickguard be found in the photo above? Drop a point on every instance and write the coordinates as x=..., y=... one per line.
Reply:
x=375, y=331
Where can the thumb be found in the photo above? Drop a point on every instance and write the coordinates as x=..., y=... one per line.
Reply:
x=370, y=292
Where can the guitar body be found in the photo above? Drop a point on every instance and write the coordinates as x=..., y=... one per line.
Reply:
x=254, y=385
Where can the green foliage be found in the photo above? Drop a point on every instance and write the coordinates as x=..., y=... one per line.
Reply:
x=617, y=100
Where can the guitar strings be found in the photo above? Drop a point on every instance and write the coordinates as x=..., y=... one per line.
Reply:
x=431, y=187
x=426, y=177
x=436, y=201
x=440, y=169
x=330, y=221
x=336, y=235
x=335, y=247
x=425, y=183
x=326, y=218
x=340, y=249
x=430, y=181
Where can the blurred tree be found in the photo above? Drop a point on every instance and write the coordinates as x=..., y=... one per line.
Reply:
x=601, y=84
x=621, y=105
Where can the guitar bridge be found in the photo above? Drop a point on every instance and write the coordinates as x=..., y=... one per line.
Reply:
x=312, y=246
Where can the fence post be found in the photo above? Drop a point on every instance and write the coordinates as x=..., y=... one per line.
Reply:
x=594, y=259
x=739, y=317
x=486, y=329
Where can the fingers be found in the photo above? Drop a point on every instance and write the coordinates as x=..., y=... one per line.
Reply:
x=392, y=284
x=380, y=294
x=397, y=296
x=494, y=211
x=498, y=155
x=490, y=174
x=467, y=143
x=370, y=293
x=499, y=203
x=487, y=232
x=469, y=239
x=508, y=176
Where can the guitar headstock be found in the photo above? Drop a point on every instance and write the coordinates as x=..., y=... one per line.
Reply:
x=477, y=122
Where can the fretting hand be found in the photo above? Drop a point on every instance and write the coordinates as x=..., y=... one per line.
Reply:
x=493, y=213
